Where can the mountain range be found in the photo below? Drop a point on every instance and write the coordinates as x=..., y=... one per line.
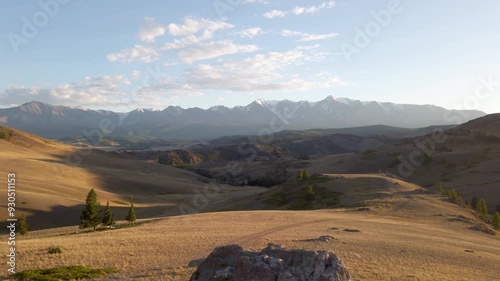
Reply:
x=261, y=116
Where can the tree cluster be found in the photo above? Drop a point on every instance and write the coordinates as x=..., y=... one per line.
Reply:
x=303, y=174
x=478, y=206
x=91, y=214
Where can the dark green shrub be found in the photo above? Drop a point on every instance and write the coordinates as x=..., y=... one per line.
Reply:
x=310, y=194
x=54, y=250
x=4, y=135
x=496, y=221
x=62, y=273
x=482, y=209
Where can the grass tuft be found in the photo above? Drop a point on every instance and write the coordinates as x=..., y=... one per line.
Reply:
x=62, y=273
x=54, y=250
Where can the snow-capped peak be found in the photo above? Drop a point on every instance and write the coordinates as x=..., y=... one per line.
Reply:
x=344, y=100
x=142, y=110
x=267, y=103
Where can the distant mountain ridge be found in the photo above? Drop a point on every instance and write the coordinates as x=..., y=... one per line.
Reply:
x=195, y=123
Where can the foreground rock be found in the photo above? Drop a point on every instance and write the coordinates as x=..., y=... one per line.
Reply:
x=232, y=263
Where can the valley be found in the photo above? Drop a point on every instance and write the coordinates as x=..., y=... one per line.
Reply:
x=187, y=202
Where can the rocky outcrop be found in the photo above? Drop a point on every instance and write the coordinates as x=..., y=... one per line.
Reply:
x=181, y=158
x=274, y=263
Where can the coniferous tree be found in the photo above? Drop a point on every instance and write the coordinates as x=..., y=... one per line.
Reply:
x=310, y=194
x=91, y=214
x=305, y=174
x=440, y=188
x=453, y=193
x=108, y=218
x=131, y=213
x=482, y=209
x=496, y=220
x=300, y=174
x=23, y=225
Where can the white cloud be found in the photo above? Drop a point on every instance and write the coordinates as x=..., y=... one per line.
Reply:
x=261, y=72
x=150, y=30
x=305, y=10
x=190, y=49
x=184, y=42
x=189, y=45
x=138, y=53
x=192, y=26
x=214, y=49
x=92, y=91
x=267, y=72
x=327, y=5
x=306, y=36
x=250, y=32
x=299, y=10
x=275, y=14
x=102, y=92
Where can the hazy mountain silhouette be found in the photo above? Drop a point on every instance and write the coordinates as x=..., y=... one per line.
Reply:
x=60, y=121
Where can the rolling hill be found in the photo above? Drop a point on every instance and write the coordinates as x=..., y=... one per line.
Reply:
x=53, y=179
x=487, y=125
x=402, y=233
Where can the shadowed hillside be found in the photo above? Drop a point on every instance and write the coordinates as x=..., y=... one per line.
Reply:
x=52, y=184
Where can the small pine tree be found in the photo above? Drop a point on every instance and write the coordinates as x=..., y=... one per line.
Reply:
x=468, y=206
x=305, y=174
x=91, y=214
x=482, y=209
x=4, y=135
x=453, y=194
x=496, y=220
x=310, y=194
x=107, y=218
x=131, y=213
x=23, y=225
x=300, y=175
x=440, y=187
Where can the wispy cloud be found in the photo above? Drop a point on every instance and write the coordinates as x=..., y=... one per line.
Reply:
x=213, y=49
x=250, y=32
x=190, y=44
x=91, y=91
x=193, y=26
x=138, y=53
x=306, y=36
x=150, y=30
x=203, y=53
x=261, y=72
x=298, y=10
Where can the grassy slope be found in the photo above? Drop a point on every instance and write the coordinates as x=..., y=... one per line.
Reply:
x=408, y=236
x=472, y=166
x=52, y=192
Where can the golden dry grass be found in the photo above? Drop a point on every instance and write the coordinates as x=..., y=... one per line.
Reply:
x=407, y=235
x=404, y=237
x=52, y=192
x=472, y=166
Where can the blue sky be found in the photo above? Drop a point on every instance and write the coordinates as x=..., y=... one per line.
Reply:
x=122, y=55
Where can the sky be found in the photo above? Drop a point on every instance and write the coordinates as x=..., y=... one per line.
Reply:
x=121, y=54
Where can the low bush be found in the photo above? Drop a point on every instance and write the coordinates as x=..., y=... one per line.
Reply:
x=54, y=250
x=62, y=273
